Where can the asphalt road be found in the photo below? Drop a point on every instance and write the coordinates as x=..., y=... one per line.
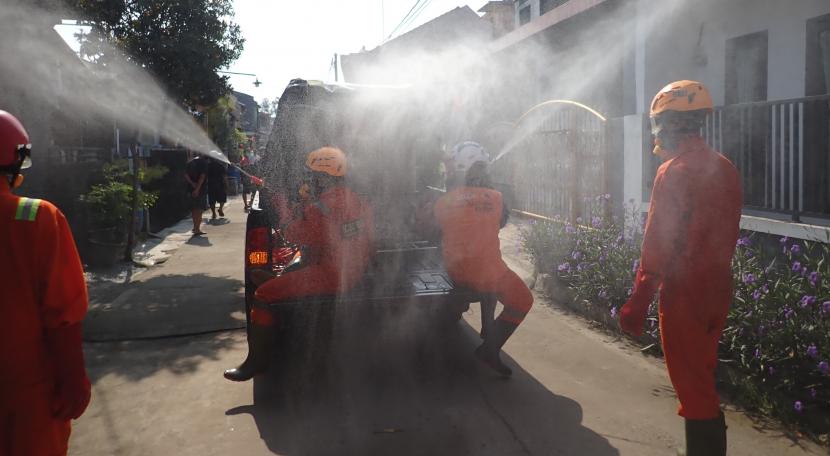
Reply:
x=394, y=381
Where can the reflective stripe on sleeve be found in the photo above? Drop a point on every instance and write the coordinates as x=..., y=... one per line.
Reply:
x=27, y=209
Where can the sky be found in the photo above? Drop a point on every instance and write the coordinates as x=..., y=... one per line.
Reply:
x=286, y=40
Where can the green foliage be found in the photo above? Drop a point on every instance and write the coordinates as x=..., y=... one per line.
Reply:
x=779, y=324
x=221, y=120
x=182, y=43
x=777, y=338
x=111, y=202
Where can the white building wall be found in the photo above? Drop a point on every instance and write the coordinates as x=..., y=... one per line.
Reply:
x=669, y=51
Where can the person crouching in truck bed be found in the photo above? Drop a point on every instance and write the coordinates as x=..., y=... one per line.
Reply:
x=470, y=216
x=335, y=227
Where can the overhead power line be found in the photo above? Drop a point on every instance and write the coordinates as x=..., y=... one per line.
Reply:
x=401, y=23
x=415, y=15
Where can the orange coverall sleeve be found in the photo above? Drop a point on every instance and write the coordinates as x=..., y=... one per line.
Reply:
x=64, y=294
x=666, y=226
x=306, y=229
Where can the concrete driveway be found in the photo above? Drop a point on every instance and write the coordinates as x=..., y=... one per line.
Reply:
x=393, y=383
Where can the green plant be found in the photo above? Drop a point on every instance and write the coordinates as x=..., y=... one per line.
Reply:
x=777, y=337
x=111, y=202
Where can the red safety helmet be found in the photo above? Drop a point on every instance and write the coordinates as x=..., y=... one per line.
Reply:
x=15, y=148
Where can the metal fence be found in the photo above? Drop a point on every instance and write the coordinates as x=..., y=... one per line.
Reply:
x=782, y=149
x=557, y=164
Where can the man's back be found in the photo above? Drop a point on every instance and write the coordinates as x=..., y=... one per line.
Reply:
x=706, y=187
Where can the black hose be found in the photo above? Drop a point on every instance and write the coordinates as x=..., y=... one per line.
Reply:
x=163, y=336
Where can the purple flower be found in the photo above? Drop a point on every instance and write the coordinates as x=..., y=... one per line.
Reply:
x=825, y=308
x=564, y=267
x=812, y=351
x=576, y=255
x=784, y=240
x=796, y=266
x=570, y=229
x=807, y=301
x=613, y=312
x=579, y=220
x=596, y=222
x=744, y=241
x=814, y=278
x=581, y=266
x=788, y=312
x=771, y=370
x=798, y=406
x=749, y=278
x=795, y=248
x=765, y=288
x=824, y=367
x=756, y=295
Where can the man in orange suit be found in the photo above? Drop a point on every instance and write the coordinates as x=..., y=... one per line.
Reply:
x=43, y=298
x=689, y=240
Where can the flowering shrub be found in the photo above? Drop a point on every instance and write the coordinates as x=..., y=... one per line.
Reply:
x=778, y=331
x=779, y=324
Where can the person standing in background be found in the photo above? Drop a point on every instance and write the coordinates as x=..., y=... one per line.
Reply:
x=217, y=187
x=196, y=176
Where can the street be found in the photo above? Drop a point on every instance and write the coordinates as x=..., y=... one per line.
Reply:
x=394, y=383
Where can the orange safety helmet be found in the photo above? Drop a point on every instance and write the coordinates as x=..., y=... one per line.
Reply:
x=681, y=96
x=327, y=160
x=14, y=144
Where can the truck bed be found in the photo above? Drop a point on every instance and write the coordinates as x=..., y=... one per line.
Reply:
x=410, y=273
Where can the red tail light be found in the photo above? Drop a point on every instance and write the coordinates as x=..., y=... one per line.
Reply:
x=257, y=247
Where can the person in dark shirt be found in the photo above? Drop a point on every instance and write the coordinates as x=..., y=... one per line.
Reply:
x=217, y=187
x=196, y=177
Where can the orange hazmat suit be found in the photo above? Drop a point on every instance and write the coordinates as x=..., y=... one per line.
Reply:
x=470, y=219
x=337, y=233
x=43, y=383
x=690, y=236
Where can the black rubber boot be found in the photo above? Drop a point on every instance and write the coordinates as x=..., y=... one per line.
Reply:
x=706, y=437
x=488, y=314
x=260, y=342
x=488, y=352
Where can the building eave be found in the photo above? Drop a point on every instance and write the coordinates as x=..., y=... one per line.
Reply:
x=551, y=18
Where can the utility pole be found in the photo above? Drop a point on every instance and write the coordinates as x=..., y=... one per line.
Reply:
x=336, y=75
x=382, y=21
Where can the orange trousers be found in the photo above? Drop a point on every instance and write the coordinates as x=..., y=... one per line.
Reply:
x=495, y=277
x=308, y=281
x=690, y=329
x=27, y=427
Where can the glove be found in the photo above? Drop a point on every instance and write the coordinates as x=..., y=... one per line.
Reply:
x=633, y=313
x=257, y=181
x=72, y=388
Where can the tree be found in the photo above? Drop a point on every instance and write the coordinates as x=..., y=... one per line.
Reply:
x=221, y=121
x=180, y=42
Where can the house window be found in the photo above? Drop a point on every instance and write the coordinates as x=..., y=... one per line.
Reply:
x=817, y=118
x=746, y=68
x=818, y=56
x=548, y=5
x=524, y=14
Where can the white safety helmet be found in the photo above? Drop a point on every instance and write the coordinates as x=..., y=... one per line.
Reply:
x=466, y=153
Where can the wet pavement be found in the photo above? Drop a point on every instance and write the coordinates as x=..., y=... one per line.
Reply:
x=394, y=381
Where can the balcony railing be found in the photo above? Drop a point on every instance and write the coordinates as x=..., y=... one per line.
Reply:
x=782, y=149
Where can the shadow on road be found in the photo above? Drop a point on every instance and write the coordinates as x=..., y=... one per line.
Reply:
x=137, y=360
x=154, y=312
x=394, y=383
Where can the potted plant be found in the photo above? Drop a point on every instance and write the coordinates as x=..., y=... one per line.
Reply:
x=110, y=205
